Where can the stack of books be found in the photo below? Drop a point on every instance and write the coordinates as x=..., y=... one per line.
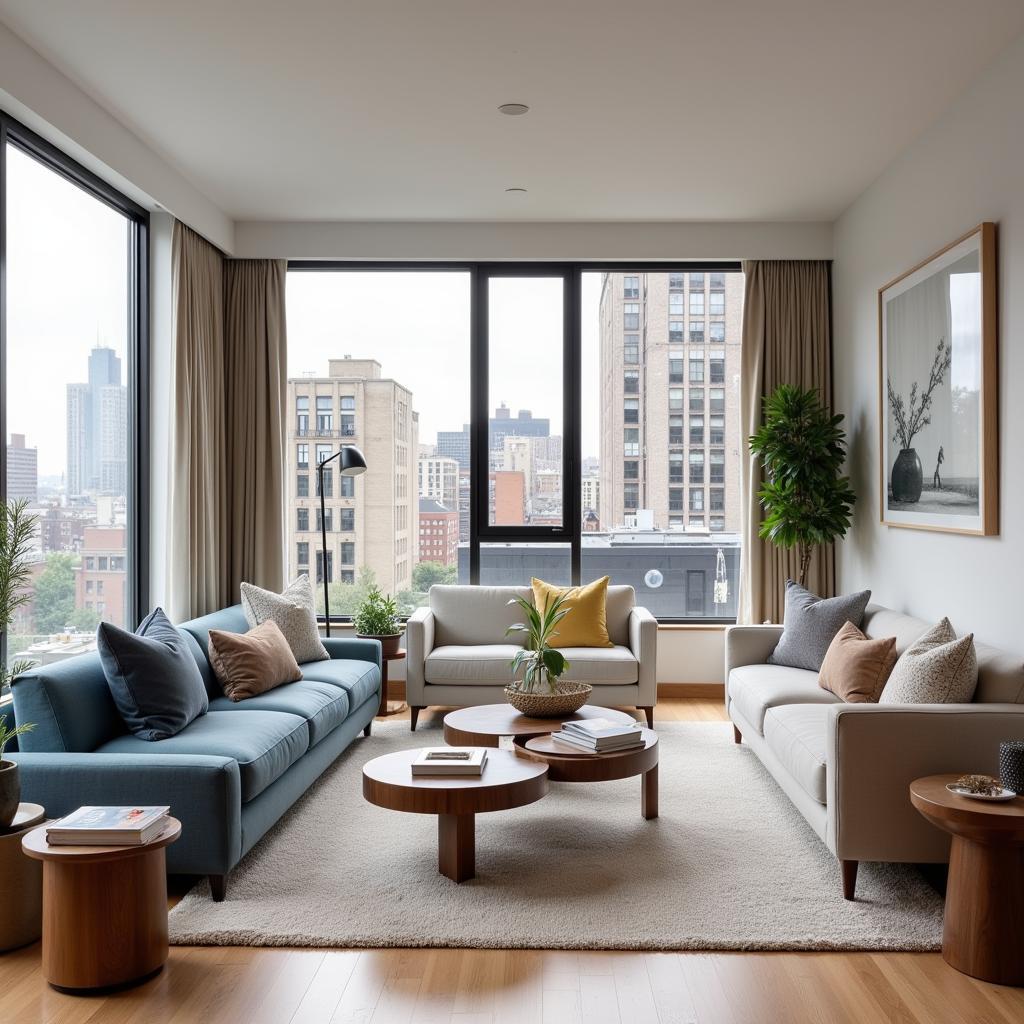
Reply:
x=601, y=735
x=108, y=826
x=450, y=761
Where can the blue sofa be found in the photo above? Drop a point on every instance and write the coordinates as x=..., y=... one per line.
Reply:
x=228, y=776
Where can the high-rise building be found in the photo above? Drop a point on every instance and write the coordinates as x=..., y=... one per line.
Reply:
x=503, y=423
x=670, y=369
x=439, y=479
x=591, y=493
x=439, y=532
x=372, y=520
x=22, y=470
x=97, y=428
x=454, y=444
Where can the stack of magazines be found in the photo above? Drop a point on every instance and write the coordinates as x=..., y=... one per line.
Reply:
x=108, y=826
x=450, y=761
x=601, y=735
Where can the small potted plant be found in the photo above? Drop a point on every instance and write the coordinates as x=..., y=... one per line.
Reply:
x=377, y=619
x=536, y=689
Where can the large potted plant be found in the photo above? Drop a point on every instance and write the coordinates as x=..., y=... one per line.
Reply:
x=17, y=528
x=377, y=619
x=806, y=499
x=536, y=688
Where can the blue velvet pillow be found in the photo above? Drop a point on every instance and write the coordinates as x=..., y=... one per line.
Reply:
x=152, y=676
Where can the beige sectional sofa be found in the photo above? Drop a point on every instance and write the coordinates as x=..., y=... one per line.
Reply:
x=846, y=767
x=458, y=654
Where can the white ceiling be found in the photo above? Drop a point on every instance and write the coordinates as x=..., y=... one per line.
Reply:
x=641, y=110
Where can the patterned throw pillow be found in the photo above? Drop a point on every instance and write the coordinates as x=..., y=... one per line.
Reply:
x=936, y=669
x=811, y=624
x=294, y=611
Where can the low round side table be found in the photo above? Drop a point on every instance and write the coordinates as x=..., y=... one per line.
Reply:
x=21, y=882
x=981, y=933
x=485, y=724
x=390, y=707
x=104, y=910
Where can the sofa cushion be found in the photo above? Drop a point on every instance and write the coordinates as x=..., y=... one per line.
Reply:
x=937, y=669
x=810, y=624
x=756, y=688
x=248, y=664
x=470, y=664
x=264, y=743
x=795, y=734
x=294, y=610
x=359, y=679
x=618, y=607
x=584, y=623
x=323, y=705
x=475, y=615
x=601, y=666
x=856, y=668
x=232, y=620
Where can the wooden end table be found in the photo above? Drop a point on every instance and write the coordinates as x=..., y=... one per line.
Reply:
x=485, y=724
x=981, y=933
x=390, y=707
x=104, y=910
x=507, y=781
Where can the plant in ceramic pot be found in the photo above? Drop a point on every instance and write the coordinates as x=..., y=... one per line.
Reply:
x=377, y=619
x=17, y=528
x=536, y=689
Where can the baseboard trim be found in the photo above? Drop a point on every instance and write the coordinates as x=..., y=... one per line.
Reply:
x=701, y=691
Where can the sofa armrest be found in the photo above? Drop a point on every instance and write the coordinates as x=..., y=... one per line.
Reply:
x=643, y=642
x=203, y=791
x=749, y=645
x=874, y=752
x=419, y=642
x=353, y=649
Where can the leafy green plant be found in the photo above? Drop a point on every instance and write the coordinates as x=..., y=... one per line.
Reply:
x=6, y=735
x=377, y=615
x=539, y=662
x=17, y=529
x=807, y=500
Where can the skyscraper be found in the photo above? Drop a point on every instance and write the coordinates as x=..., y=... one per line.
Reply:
x=22, y=470
x=97, y=428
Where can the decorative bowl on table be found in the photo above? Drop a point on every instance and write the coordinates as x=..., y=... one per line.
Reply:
x=567, y=699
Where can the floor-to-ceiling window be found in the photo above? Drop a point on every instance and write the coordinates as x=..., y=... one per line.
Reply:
x=72, y=382
x=570, y=422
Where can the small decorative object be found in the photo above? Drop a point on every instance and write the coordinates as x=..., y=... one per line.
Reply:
x=10, y=785
x=806, y=499
x=377, y=619
x=980, y=787
x=938, y=389
x=1011, y=765
x=540, y=693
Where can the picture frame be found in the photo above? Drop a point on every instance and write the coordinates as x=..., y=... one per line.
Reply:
x=938, y=391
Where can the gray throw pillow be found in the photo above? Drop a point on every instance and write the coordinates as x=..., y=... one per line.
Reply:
x=294, y=611
x=152, y=676
x=811, y=624
x=936, y=669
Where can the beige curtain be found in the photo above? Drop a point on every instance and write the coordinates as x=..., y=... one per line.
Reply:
x=786, y=340
x=227, y=476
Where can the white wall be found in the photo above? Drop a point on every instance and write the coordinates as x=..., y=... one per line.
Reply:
x=967, y=168
x=531, y=241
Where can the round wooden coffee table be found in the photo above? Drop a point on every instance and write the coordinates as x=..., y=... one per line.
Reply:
x=104, y=910
x=484, y=725
x=565, y=764
x=981, y=934
x=507, y=781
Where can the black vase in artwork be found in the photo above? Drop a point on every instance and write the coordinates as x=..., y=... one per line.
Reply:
x=907, y=477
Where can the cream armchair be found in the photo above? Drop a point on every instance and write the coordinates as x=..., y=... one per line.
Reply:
x=458, y=654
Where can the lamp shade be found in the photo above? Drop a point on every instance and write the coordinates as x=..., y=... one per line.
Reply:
x=352, y=461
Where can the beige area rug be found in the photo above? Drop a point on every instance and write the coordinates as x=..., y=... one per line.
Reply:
x=729, y=864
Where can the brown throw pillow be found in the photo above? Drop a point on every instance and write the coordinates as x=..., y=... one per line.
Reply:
x=856, y=668
x=248, y=664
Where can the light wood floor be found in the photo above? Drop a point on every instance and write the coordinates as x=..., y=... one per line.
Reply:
x=220, y=985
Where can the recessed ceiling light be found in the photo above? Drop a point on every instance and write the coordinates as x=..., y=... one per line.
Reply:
x=513, y=109
x=515, y=190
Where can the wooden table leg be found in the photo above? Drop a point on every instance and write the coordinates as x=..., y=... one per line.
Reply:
x=981, y=933
x=649, y=793
x=388, y=707
x=456, y=846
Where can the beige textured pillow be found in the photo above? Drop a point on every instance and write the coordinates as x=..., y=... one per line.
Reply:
x=294, y=610
x=936, y=669
x=248, y=664
x=856, y=668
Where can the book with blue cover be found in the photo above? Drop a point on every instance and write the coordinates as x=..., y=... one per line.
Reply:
x=108, y=826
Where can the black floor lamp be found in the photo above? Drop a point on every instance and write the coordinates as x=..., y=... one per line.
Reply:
x=353, y=463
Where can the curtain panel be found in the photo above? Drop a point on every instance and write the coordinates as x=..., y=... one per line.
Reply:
x=787, y=339
x=228, y=432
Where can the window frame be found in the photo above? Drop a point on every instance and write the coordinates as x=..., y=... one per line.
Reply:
x=481, y=532
x=137, y=354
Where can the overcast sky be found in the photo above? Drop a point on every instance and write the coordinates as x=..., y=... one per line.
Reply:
x=67, y=287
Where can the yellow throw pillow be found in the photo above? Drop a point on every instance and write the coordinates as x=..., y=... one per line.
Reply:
x=586, y=625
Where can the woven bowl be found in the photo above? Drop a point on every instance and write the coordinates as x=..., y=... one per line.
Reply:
x=569, y=698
